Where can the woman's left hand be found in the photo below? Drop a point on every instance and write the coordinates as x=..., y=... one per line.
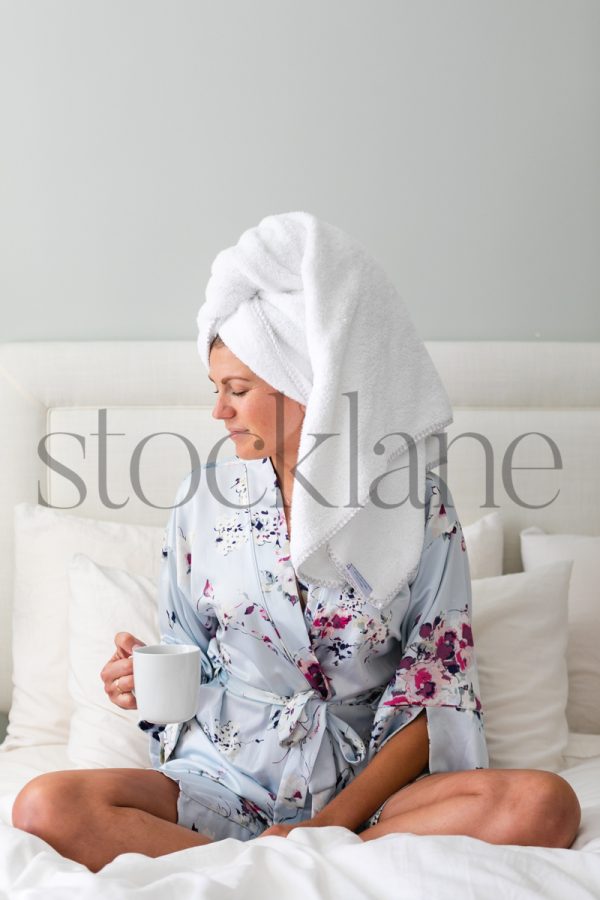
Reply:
x=284, y=830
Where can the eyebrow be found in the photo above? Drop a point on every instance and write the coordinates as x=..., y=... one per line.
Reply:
x=230, y=378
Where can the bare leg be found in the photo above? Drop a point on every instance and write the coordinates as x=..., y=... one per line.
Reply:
x=501, y=806
x=94, y=815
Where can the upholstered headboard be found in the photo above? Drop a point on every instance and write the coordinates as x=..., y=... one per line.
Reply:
x=526, y=430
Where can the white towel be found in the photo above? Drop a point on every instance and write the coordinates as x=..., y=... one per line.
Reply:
x=309, y=310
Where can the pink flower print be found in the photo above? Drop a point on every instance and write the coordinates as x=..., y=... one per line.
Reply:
x=445, y=650
x=253, y=811
x=463, y=661
x=424, y=683
x=314, y=675
x=281, y=555
x=398, y=700
x=439, y=523
x=207, y=591
x=445, y=645
x=338, y=621
x=435, y=669
x=325, y=626
x=250, y=806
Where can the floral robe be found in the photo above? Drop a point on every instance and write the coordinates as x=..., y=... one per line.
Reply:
x=295, y=702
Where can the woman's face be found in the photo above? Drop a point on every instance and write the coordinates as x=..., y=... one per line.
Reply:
x=250, y=406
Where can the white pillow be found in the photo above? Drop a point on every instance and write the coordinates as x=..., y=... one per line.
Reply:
x=45, y=541
x=583, y=648
x=485, y=545
x=104, y=601
x=580, y=748
x=519, y=626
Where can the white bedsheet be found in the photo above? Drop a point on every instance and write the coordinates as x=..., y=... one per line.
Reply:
x=310, y=863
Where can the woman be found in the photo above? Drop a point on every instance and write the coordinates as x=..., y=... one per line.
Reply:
x=349, y=697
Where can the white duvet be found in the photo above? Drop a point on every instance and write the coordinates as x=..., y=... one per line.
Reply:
x=309, y=863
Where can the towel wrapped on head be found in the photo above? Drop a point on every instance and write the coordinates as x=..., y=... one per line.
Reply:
x=310, y=311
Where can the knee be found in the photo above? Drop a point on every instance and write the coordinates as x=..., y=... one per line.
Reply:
x=542, y=809
x=39, y=807
x=560, y=804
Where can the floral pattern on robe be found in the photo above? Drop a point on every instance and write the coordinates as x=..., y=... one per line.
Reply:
x=296, y=701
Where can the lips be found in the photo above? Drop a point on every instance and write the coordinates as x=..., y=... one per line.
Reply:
x=238, y=431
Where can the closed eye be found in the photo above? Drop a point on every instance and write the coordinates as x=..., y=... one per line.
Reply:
x=234, y=394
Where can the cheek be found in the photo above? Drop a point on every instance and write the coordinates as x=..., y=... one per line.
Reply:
x=257, y=415
x=261, y=413
x=294, y=417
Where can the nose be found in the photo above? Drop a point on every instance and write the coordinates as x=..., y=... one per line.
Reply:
x=221, y=410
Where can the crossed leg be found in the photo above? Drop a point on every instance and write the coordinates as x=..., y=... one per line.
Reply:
x=529, y=807
x=94, y=815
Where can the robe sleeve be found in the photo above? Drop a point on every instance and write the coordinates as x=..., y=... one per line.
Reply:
x=179, y=622
x=437, y=669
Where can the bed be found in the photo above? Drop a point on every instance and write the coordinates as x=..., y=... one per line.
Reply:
x=97, y=437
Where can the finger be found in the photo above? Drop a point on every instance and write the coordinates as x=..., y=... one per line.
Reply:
x=125, y=684
x=125, y=642
x=125, y=701
x=115, y=669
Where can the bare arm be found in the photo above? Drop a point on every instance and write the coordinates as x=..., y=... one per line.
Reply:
x=400, y=760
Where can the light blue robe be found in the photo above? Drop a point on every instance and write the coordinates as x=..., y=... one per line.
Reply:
x=294, y=704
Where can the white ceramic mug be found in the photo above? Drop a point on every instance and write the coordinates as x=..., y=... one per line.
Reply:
x=166, y=682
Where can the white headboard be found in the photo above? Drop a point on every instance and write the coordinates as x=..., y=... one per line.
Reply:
x=499, y=391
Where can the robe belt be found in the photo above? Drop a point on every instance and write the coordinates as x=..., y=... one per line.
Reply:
x=304, y=718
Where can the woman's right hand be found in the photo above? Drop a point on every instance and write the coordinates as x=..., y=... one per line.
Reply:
x=120, y=668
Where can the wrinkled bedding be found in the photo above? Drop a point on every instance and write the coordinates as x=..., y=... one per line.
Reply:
x=309, y=863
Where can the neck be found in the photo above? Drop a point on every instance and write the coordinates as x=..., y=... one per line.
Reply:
x=285, y=477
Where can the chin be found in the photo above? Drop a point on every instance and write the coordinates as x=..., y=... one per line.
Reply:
x=250, y=452
x=241, y=455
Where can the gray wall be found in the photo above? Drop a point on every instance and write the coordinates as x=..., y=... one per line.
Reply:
x=460, y=141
